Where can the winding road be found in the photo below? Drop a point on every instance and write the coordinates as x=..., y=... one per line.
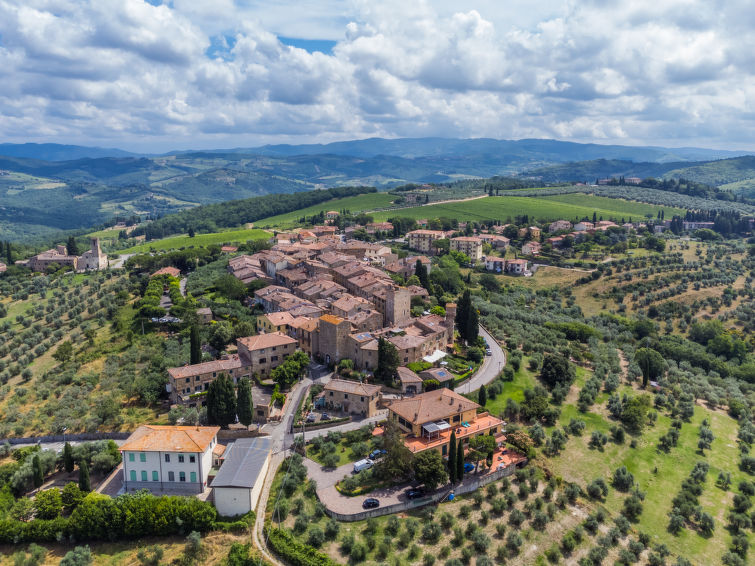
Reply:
x=282, y=437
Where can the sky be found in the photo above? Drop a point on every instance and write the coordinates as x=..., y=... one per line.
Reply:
x=179, y=74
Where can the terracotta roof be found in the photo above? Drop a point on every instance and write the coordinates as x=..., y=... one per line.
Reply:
x=172, y=271
x=405, y=375
x=440, y=374
x=355, y=387
x=278, y=318
x=332, y=319
x=155, y=438
x=432, y=406
x=233, y=362
x=262, y=341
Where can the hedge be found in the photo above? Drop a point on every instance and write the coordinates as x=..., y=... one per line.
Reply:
x=99, y=517
x=294, y=552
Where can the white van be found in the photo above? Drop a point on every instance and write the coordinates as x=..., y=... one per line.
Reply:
x=365, y=464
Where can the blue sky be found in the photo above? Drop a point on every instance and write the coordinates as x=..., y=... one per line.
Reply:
x=154, y=76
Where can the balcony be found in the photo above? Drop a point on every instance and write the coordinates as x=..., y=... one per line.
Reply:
x=481, y=425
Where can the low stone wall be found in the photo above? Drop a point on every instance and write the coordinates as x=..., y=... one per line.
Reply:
x=322, y=424
x=467, y=486
x=83, y=437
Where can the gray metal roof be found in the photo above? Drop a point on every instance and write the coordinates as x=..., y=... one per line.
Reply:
x=243, y=465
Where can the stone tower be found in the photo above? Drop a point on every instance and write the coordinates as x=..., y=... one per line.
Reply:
x=398, y=306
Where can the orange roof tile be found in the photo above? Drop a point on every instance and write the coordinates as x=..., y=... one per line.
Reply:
x=262, y=341
x=158, y=438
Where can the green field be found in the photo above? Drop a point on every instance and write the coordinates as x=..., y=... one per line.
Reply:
x=175, y=242
x=569, y=207
x=358, y=203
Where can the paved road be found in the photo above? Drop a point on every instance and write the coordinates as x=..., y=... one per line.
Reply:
x=118, y=263
x=335, y=501
x=491, y=366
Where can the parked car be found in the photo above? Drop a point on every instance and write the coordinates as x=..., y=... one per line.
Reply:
x=311, y=417
x=415, y=492
x=488, y=352
x=325, y=417
x=365, y=464
x=370, y=503
x=375, y=454
x=468, y=467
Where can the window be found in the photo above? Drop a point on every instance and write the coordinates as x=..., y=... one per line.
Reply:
x=133, y=475
x=171, y=476
x=155, y=476
x=262, y=360
x=361, y=398
x=445, y=449
x=193, y=477
x=180, y=458
x=142, y=457
x=192, y=458
x=144, y=475
x=331, y=393
x=131, y=457
x=181, y=476
x=167, y=458
x=273, y=358
x=345, y=395
x=456, y=418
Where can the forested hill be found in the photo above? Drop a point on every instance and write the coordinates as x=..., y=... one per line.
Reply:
x=589, y=171
x=211, y=217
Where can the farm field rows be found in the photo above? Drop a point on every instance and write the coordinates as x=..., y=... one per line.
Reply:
x=354, y=204
x=199, y=240
x=568, y=207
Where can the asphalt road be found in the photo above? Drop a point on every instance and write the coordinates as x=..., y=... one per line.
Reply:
x=491, y=366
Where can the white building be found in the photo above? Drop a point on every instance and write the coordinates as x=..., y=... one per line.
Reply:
x=236, y=489
x=168, y=458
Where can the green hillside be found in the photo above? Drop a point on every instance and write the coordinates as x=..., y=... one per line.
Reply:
x=718, y=173
x=199, y=240
x=543, y=208
x=358, y=203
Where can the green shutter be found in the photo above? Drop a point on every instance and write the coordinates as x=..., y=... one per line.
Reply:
x=144, y=475
x=131, y=457
x=133, y=475
x=155, y=476
x=193, y=477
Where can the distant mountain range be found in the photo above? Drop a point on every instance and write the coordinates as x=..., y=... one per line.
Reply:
x=47, y=187
x=410, y=148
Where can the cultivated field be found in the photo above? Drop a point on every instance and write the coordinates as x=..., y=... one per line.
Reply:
x=199, y=240
x=358, y=203
x=538, y=209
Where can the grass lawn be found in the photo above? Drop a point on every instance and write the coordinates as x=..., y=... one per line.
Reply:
x=343, y=450
x=357, y=203
x=659, y=475
x=523, y=379
x=538, y=208
x=199, y=240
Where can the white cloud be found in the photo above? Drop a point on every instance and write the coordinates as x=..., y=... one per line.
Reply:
x=129, y=73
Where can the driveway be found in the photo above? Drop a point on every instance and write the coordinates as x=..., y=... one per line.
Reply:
x=337, y=502
x=490, y=368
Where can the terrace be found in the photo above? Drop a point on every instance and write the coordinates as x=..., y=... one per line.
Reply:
x=436, y=438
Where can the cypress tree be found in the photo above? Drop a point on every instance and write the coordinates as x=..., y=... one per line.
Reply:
x=84, y=481
x=472, y=325
x=482, y=396
x=68, y=457
x=462, y=314
x=196, y=345
x=460, y=461
x=36, y=468
x=244, y=402
x=72, y=247
x=421, y=272
x=452, y=457
x=8, y=254
x=221, y=401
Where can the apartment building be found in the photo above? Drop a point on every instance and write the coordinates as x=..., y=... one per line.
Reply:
x=174, y=459
x=469, y=245
x=422, y=240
